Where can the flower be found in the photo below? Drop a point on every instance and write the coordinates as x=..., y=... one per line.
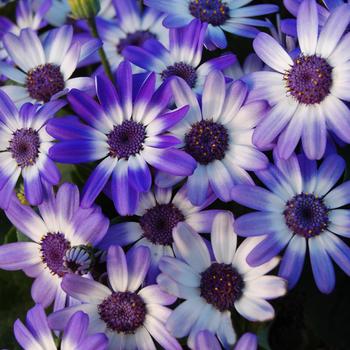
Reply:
x=229, y=15
x=132, y=26
x=45, y=70
x=62, y=226
x=128, y=315
x=306, y=92
x=300, y=209
x=158, y=214
x=24, y=149
x=127, y=131
x=214, y=287
x=218, y=135
x=37, y=334
x=181, y=57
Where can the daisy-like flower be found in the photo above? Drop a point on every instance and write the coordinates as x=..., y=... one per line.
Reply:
x=37, y=334
x=228, y=15
x=61, y=226
x=214, y=289
x=159, y=213
x=132, y=26
x=44, y=72
x=128, y=131
x=206, y=340
x=181, y=58
x=299, y=210
x=306, y=93
x=128, y=314
x=24, y=149
x=218, y=134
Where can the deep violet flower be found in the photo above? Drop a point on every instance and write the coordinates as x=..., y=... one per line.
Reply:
x=36, y=334
x=128, y=131
x=299, y=210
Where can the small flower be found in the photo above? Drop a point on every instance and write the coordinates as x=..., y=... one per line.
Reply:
x=299, y=210
x=24, y=149
x=37, y=334
x=44, y=72
x=128, y=131
x=212, y=289
x=181, y=57
x=218, y=134
x=159, y=213
x=128, y=314
x=306, y=92
x=61, y=226
x=219, y=15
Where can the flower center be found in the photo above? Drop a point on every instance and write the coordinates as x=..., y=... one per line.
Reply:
x=215, y=12
x=126, y=139
x=182, y=70
x=306, y=215
x=158, y=223
x=123, y=312
x=221, y=285
x=53, y=250
x=24, y=147
x=137, y=38
x=44, y=81
x=207, y=141
x=78, y=259
x=309, y=80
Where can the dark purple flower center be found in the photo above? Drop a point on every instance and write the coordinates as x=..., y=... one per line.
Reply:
x=158, y=223
x=137, y=38
x=306, y=215
x=53, y=250
x=24, y=147
x=78, y=259
x=182, y=70
x=221, y=285
x=309, y=80
x=126, y=139
x=207, y=141
x=44, y=81
x=123, y=312
x=215, y=12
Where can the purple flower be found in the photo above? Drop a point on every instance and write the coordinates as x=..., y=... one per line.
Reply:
x=300, y=209
x=306, y=92
x=62, y=226
x=212, y=289
x=159, y=213
x=218, y=134
x=182, y=57
x=37, y=334
x=229, y=15
x=128, y=315
x=24, y=149
x=44, y=72
x=128, y=130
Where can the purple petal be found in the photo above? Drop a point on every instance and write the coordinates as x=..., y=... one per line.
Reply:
x=139, y=174
x=248, y=341
x=138, y=261
x=75, y=331
x=17, y=256
x=124, y=83
x=117, y=269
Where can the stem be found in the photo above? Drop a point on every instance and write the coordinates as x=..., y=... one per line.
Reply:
x=104, y=61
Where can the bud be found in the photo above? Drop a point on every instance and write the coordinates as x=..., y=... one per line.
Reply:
x=84, y=9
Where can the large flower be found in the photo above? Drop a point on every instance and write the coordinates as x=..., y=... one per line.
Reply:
x=212, y=289
x=218, y=134
x=181, y=57
x=24, y=149
x=228, y=15
x=306, y=92
x=127, y=314
x=45, y=70
x=300, y=210
x=159, y=213
x=127, y=131
x=37, y=334
x=62, y=228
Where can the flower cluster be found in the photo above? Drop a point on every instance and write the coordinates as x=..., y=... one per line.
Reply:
x=133, y=145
